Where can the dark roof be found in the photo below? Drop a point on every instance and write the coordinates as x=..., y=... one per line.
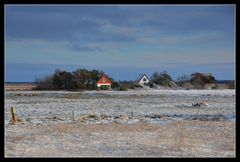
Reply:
x=140, y=76
x=204, y=74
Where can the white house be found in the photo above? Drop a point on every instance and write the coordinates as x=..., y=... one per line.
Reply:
x=142, y=79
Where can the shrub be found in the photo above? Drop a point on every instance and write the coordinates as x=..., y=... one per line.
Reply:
x=137, y=86
x=123, y=88
x=115, y=85
x=162, y=78
x=104, y=88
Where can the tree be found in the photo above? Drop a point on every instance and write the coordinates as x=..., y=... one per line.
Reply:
x=162, y=78
x=199, y=80
x=150, y=84
x=82, y=78
x=45, y=82
x=63, y=80
x=85, y=79
x=96, y=74
x=183, y=79
x=155, y=76
x=79, y=79
x=115, y=85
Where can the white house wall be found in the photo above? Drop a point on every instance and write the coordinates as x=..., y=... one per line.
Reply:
x=142, y=82
x=99, y=84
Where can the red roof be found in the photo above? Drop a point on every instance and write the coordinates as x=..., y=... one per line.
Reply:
x=104, y=79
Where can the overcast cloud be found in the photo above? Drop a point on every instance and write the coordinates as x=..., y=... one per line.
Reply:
x=143, y=36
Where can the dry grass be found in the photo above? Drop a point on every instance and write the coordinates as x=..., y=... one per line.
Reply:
x=230, y=144
x=74, y=96
x=19, y=138
x=180, y=136
x=176, y=139
x=19, y=87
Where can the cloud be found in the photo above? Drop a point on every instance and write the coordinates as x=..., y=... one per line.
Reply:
x=28, y=42
x=94, y=47
x=193, y=56
x=120, y=23
x=57, y=23
x=127, y=33
x=85, y=48
x=52, y=27
x=152, y=40
x=203, y=38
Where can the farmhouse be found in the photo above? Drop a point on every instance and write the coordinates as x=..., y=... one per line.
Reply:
x=142, y=79
x=104, y=82
x=203, y=74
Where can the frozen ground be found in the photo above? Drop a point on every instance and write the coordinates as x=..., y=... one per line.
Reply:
x=114, y=119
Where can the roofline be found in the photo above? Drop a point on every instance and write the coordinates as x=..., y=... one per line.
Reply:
x=142, y=77
x=106, y=77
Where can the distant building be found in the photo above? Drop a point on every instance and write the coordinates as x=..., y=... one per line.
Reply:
x=203, y=74
x=142, y=79
x=104, y=82
x=203, y=81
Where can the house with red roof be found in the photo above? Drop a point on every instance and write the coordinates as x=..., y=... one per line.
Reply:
x=104, y=82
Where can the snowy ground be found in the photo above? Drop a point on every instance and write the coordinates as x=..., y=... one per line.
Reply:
x=41, y=111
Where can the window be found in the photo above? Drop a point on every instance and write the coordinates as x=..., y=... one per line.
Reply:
x=144, y=79
x=104, y=80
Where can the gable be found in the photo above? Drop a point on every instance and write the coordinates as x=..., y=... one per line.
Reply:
x=144, y=78
x=141, y=78
x=104, y=79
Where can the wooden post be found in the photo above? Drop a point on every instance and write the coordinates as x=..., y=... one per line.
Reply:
x=13, y=112
x=73, y=116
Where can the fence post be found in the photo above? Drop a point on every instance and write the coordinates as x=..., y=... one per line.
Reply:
x=13, y=112
x=73, y=116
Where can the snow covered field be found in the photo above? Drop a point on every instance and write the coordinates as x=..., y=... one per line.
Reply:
x=130, y=110
x=135, y=104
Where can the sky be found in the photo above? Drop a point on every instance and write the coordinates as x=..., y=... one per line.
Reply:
x=122, y=40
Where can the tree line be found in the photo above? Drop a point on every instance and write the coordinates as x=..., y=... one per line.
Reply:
x=83, y=79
